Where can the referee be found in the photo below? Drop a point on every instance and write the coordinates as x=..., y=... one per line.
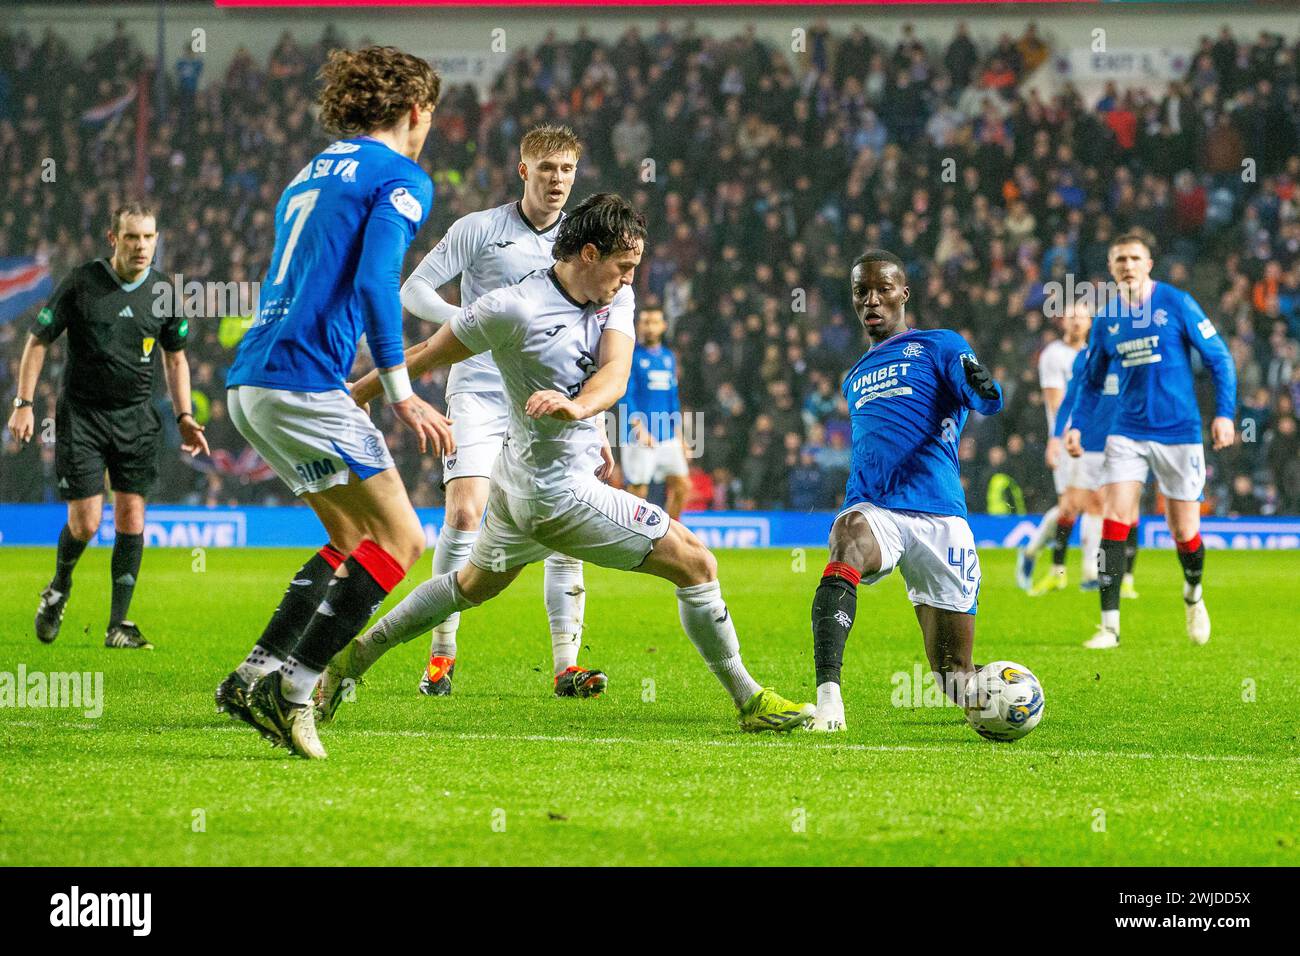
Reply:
x=105, y=418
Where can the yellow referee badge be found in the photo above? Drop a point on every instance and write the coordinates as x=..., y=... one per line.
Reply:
x=146, y=346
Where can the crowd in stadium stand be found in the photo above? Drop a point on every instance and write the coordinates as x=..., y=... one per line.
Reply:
x=762, y=173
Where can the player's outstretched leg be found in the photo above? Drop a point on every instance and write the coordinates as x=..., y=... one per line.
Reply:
x=853, y=551
x=72, y=543
x=682, y=558
x=566, y=602
x=429, y=604
x=290, y=618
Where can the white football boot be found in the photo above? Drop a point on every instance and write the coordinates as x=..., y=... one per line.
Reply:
x=1103, y=639
x=1198, y=623
x=828, y=718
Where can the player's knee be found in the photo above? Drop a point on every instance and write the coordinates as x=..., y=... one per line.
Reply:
x=83, y=527
x=463, y=516
x=847, y=537
x=699, y=564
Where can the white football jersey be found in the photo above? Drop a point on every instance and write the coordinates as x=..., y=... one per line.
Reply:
x=541, y=339
x=489, y=250
x=1055, y=364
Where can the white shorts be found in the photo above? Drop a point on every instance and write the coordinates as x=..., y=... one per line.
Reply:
x=1085, y=471
x=1061, y=473
x=589, y=521
x=935, y=553
x=478, y=426
x=643, y=464
x=1179, y=469
x=311, y=439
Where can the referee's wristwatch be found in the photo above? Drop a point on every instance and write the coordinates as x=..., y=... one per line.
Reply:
x=23, y=403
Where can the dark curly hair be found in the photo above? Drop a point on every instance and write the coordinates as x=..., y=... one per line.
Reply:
x=371, y=88
x=606, y=220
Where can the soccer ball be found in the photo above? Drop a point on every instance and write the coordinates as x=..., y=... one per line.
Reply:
x=1005, y=701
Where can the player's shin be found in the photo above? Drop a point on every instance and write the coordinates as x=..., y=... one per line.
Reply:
x=128, y=550
x=69, y=553
x=451, y=554
x=566, y=599
x=291, y=616
x=708, y=624
x=1110, y=572
x=834, y=608
x=350, y=599
x=429, y=604
x=1061, y=543
x=1191, y=555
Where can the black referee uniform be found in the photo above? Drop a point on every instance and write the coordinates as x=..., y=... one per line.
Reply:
x=105, y=417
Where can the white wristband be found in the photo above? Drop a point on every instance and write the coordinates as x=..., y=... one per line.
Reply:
x=397, y=384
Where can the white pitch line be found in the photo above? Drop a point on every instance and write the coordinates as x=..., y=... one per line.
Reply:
x=858, y=748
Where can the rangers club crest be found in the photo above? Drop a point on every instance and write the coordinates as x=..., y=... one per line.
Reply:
x=912, y=350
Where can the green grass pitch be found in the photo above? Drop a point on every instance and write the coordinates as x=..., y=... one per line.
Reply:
x=1156, y=753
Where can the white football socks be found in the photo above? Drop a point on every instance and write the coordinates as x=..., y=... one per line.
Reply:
x=829, y=699
x=432, y=602
x=566, y=601
x=450, y=554
x=1090, y=543
x=259, y=661
x=1110, y=620
x=1045, y=532
x=297, y=680
x=708, y=624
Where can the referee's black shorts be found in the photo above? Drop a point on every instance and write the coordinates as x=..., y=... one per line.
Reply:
x=89, y=440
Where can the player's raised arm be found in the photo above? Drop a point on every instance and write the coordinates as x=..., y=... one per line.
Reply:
x=1202, y=336
x=448, y=259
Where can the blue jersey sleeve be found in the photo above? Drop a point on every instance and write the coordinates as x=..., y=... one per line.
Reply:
x=1088, y=382
x=400, y=208
x=1068, y=401
x=955, y=351
x=1202, y=336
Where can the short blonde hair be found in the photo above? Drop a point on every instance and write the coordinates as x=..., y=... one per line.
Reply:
x=545, y=140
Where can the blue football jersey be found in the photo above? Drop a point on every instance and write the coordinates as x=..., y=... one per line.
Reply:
x=1102, y=420
x=1149, y=348
x=908, y=400
x=651, y=396
x=342, y=227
